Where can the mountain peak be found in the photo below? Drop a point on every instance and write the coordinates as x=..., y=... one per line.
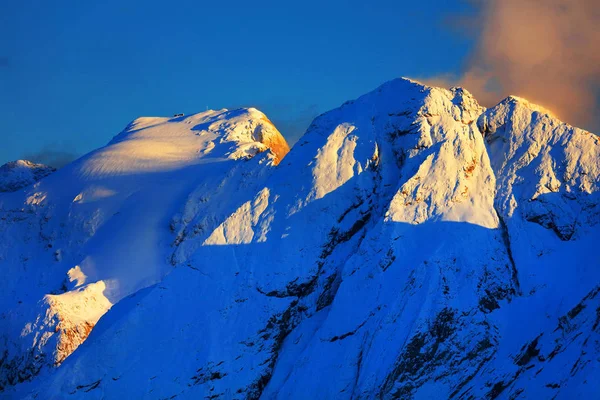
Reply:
x=517, y=101
x=18, y=174
x=159, y=143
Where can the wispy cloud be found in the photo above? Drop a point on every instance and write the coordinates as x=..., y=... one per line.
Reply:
x=545, y=50
x=51, y=155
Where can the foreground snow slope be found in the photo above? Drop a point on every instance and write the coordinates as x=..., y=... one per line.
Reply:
x=97, y=230
x=411, y=245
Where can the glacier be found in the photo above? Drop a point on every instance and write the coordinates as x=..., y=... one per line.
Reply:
x=412, y=244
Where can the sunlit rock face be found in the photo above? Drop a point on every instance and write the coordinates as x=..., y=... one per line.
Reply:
x=412, y=244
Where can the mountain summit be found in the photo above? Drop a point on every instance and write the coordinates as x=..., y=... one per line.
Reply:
x=97, y=230
x=18, y=174
x=412, y=244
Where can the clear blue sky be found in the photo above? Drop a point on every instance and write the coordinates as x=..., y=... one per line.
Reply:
x=74, y=73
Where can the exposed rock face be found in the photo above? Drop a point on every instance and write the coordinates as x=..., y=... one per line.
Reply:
x=266, y=133
x=18, y=174
x=411, y=245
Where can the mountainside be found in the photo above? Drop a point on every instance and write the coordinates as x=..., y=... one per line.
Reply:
x=18, y=174
x=98, y=230
x=412, y=244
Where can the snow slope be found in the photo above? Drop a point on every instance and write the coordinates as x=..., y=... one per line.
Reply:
x=98, y=230
x=411, y=245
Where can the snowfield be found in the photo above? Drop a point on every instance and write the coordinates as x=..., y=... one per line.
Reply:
x=412, y=244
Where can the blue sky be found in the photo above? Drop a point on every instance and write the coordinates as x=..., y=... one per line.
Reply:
x=74, y=73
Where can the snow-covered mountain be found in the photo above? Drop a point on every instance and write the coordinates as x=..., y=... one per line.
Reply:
x=412, y=244
x=18, y=174
x=99, y=229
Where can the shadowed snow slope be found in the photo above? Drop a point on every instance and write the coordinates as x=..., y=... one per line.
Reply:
x=411, y=245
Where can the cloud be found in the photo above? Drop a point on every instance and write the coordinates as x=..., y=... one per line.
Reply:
x=52, y=156
x=547, y=51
